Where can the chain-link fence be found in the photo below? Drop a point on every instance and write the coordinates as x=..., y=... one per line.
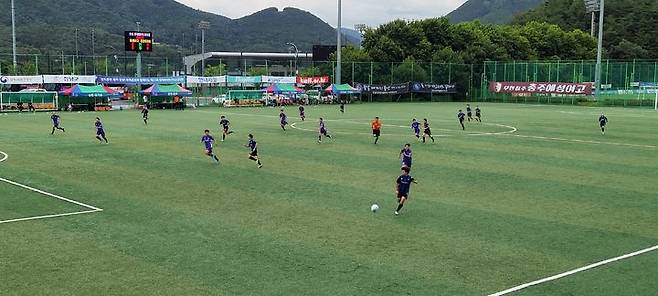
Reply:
x=621, y=80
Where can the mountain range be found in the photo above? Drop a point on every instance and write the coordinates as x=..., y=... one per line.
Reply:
x=492, y=11
x=52, y=26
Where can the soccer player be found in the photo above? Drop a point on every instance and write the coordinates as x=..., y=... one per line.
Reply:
x=253, y=150
x=469, y=112
x=323, y=131
x=145, y=114
x=427, y=132
x=603, y=121
x=302, y=113
x=461, y=116
x=225, y=127
x=376, y=128
x=284, y=119
x=405, y=156
x=208, y=140
x=56, y=122
x=478, y=114
x=415, y=126
x=342, y=107
x=402, y=188
x=30, y=107
x=100, y=131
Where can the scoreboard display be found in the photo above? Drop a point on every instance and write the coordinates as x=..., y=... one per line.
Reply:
x=139, y=41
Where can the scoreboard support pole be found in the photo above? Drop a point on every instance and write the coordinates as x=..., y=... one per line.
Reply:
x=138, y=64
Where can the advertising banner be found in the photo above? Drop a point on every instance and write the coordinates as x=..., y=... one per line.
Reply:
x=433, y=88
x=243, y=79
x=21, y=79
x=206, y=80
x=313, y=80
x=140, y=80
x=541, y=88
x=70, y=79
x=383, y=89
x=278, y=79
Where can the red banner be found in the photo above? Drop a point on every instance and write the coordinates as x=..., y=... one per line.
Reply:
x=313, y=80
x=541, y=88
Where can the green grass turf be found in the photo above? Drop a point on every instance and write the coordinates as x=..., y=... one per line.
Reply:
x=490, y=211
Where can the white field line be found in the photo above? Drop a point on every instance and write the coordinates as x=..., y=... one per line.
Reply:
x=582, y=141
x=574, y=271
x=92, y=209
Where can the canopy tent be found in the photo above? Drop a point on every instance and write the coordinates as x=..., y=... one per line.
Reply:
x=167, y=90
x=95, y=91
x=342, y=89
x=283, y=89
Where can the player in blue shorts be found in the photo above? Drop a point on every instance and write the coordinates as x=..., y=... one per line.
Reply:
x=603, y=121
x=253, y=150
x=402, y=188
x=322, y=131
x=284, y=119
x=208, y=141
x=415, y=126
x=406, y=155
x=100, y=131
x=56, y=122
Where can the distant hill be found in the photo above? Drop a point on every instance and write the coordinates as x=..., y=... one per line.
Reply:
x=491, y=11
x=630, y=25
x=50, y=25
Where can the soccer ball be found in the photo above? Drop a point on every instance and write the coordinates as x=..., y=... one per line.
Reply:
x=374, y=208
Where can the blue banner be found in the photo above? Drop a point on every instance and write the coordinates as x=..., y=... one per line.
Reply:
x=139, y=80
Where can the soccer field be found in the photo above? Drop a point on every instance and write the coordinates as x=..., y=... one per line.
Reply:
x=532, y=192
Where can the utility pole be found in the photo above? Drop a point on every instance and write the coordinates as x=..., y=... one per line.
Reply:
x=600, y=51
x=93, y=48
x=13, y=32
x=294, y=47
x=203, y=25
x=77, y=50
x=339, y=40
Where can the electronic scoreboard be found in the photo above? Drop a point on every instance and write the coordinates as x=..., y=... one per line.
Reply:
x=139, y=41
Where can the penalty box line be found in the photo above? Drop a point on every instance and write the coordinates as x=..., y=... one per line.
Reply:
x=91, y=209
x=574, y=271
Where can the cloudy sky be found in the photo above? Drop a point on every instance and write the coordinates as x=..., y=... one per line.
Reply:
x=370, y=12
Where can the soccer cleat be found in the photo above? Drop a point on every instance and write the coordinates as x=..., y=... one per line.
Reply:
x=397, y=213
x=260, y=166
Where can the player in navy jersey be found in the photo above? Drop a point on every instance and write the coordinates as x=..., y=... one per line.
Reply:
x=100, y=131
x=402, y=188
x=56, y=122
x=603, y=121
x=406, y=155
x=226, y=125
x=322, y=131
x=283, y=119
x=253, y=150
x=302, y=113
x=469, y=112
x=415, y=126
x=461, y=116
x=145, y=114
x=208, y=141
x=478, y=114
x=427, y=132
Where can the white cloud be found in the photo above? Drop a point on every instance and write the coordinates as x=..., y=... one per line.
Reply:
x=370, y=12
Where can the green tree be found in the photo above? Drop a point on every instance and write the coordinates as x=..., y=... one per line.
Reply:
x=257, y=71
x=408, y=71
x=215, y=70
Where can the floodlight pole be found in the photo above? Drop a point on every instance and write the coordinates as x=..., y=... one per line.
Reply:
x=13, y=32
x=593, y=28
x=296, y=56
x=203, y=25
x=600, y=51
x=339, y=58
